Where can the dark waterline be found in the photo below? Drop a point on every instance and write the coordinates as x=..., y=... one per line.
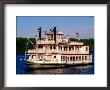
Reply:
x=23, y=68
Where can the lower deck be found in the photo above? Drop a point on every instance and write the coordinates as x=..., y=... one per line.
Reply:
x=59, y=59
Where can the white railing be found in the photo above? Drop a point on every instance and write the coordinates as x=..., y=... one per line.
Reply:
x=57, y=51
x=76, y=43
x=45, y=42
x=52, y=42
x=36, y=51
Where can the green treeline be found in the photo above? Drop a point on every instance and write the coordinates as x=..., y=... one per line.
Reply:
x=23, y=44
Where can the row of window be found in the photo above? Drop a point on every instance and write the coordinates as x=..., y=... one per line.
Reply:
x=51, y=37
x=73, y=58
x=65, y=48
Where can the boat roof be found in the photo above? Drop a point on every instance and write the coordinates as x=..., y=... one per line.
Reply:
x=75, y=43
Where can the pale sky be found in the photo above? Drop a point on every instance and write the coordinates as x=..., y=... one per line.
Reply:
x=69, y=25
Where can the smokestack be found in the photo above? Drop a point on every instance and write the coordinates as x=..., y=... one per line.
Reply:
x=54, y=30
x=39, y=30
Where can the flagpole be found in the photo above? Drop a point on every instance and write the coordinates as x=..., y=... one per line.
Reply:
x=25, y=55
x=25, y=50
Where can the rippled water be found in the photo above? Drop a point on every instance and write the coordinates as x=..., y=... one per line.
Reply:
x=23, y=68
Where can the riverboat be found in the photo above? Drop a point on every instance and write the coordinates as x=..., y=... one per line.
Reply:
x=57, y=49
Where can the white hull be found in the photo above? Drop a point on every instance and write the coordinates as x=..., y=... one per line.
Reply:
x=60, y=62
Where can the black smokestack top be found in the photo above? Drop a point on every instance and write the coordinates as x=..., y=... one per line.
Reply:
x=54, y=30
x=39, y=30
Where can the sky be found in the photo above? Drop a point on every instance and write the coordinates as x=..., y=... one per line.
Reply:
x=27, y=25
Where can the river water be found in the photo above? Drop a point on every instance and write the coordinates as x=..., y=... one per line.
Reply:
x=23, y=68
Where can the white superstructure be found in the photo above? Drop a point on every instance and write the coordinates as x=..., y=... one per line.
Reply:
x=56, y=48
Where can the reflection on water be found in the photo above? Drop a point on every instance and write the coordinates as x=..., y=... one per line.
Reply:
x=49, y=71
x=70, y=70
x=23, y=68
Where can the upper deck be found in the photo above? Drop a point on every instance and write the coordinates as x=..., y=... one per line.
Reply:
x=56, y=42
x=52, y=42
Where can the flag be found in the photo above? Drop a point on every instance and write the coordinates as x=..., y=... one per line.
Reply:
x=77, y=34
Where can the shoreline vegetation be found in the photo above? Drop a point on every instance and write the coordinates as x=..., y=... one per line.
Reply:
x=22, y=46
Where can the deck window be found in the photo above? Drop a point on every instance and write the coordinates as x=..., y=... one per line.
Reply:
x=50, y=47
x=54, y=56
x=70, y=58
x=82, y=57
x=54, y=47
x=79, y=57
x=85, y=57
x=86, y=48
x=59, y=48
x=63, y=57
x=69, y=48
x=65, y=48
x=40, y=46
x=74, y=58
x=73, y=48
